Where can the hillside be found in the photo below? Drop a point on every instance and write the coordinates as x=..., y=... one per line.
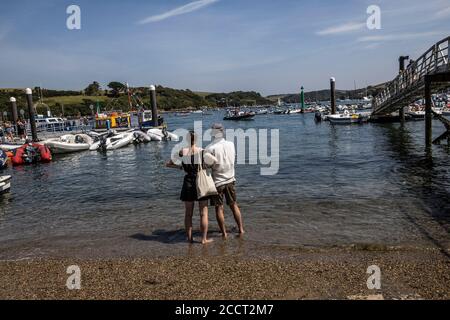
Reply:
x=72, y=103
x=324, y=95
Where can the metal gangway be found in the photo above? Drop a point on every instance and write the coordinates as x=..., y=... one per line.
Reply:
x=427, y=74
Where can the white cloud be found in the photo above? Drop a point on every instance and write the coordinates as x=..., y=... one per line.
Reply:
x=343, y=28
x=443, y=13
x=190, y=7
x=399, y=36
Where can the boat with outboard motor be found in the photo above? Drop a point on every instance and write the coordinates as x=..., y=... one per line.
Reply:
x=162, y=135
x=69, y=143
x=31, y=153
x=346, y=118
x=236, y=115
x=3, y=159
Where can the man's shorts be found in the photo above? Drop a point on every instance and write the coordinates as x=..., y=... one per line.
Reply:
x=228, y=191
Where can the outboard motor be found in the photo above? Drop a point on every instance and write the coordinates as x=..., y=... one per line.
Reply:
x=3, y=159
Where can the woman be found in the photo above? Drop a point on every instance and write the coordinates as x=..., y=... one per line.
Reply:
x=192, y=159
x=21, y=129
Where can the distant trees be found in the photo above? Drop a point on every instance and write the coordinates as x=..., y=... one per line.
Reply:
x=116, y=88
x=94, y=89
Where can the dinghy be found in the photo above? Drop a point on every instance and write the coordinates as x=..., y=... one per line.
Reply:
x=160, y=135
x=119, y=141
x=31, y=153
x=141, y=137
x=5, y=184
x=70, y=143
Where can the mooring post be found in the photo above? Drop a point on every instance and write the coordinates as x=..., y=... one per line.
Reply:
x=401, y=69
x=302, y=99
x=154, y=105
x=31, y=114
x=14, y=112
x=428, y=113
x=333, y=95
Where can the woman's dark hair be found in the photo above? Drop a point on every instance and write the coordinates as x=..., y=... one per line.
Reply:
x=192, y=133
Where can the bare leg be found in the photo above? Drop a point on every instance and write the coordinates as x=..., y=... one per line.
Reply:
x=189, y=206
x=221, y=221
x=237, y=217
x=203, y=208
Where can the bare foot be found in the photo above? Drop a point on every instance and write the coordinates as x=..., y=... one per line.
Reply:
x=206, y=241
x=190, y=241
x=225, y=236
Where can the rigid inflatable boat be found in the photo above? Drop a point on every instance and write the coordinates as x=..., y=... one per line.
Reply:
x=70, y=143
x=31, y=153
x=160, y=135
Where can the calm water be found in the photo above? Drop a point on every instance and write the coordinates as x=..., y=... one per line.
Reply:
x=336, y=186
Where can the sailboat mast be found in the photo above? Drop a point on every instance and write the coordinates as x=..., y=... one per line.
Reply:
x=129, y=96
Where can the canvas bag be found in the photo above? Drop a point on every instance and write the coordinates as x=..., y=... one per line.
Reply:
x=205, y=183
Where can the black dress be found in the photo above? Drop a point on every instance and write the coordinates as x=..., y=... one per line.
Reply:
x=191, y=165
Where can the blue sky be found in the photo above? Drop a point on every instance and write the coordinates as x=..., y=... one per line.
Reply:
x=214, y=45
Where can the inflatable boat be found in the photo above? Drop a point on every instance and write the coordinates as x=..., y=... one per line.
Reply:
x=70, y=143
x=160, y=135
x=141, y=137
x=5, y=184
x=107, y=143
x=31, y=153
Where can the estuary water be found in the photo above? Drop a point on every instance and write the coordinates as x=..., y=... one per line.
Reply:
x=359, y=185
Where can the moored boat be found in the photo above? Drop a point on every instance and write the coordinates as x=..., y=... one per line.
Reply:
x=31, y=153
x=237, y=115
x=5, y=184
x=162, y=135
x=344, y=118
x=69, y=143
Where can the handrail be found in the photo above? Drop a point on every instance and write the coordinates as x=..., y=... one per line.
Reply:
x=430, y=62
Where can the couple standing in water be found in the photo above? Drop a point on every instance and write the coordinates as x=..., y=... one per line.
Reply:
x=219, y=156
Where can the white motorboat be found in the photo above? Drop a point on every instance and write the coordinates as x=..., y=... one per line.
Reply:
x=5, y=184
x=344, y=118
x=69, y=143
x=160, y=135
x=417, y=115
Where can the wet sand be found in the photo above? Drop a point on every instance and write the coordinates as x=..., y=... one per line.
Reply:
x=307, y=274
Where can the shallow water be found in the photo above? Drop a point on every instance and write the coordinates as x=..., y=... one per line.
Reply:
x=336, y=186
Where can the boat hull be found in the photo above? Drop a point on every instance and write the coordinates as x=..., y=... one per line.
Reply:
x=5, y=184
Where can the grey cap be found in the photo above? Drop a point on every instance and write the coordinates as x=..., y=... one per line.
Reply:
x=218, y=126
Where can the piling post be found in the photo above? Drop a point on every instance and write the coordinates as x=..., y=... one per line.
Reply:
x=401, y=69
x=31, y=114
x=428, y=114
x=302, y=98
x=154, y=105
x=15, y=117
x=333, y=95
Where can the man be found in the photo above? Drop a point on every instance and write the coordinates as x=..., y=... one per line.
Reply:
x=223, y=175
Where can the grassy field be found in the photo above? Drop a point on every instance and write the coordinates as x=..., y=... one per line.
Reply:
x=74, y=99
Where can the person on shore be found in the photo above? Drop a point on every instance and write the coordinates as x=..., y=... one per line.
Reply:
x=9, y=131
x=21, y=129
x=223, y=174
x=193, y=157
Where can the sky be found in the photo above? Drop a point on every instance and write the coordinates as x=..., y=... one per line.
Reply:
x=214, y=45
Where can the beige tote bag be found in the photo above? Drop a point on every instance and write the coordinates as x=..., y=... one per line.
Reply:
x=205, y=183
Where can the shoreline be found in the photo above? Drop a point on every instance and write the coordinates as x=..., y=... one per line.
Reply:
x=310, y=274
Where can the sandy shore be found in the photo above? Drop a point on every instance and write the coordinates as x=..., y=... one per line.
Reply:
x=320, y=274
